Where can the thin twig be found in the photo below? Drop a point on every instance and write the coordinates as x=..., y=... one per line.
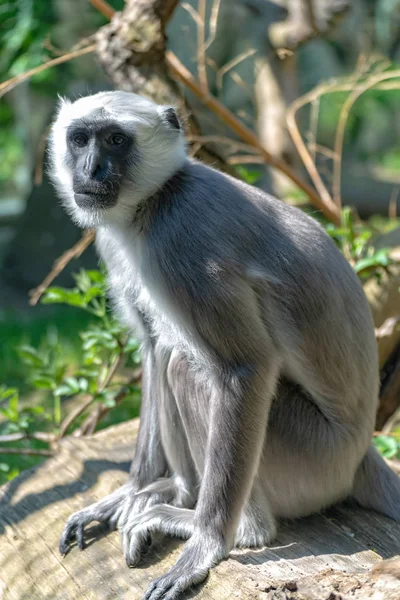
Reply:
x=90, y=423
x=339, y=139
x=201, y=43
x=16, y=437
x=335, y=86
x=392, y=212
x=8, y=85
x=213, y=24
x=243, y=159
x=26, y=451
x=198, y=17
x=221, y=139
x=103, y=7
x=313, y=133
x=307, y=159
x=72, y=416
x=318, y=148
x=184, y=75
x=75, y=252
x=231, y=64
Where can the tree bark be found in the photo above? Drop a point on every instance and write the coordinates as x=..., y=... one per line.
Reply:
x=131, y=50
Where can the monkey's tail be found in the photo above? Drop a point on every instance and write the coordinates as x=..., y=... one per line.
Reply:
x=376, y=486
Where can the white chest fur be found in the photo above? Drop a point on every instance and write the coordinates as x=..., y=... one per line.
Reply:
x=136, y=290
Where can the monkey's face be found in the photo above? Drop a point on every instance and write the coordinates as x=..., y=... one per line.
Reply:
x=98, y=156
x=109, y=152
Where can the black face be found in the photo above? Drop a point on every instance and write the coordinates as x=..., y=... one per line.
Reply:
x=99, y=153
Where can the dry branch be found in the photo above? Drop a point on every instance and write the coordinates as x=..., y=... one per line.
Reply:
x=16, y=437
x=26, y=451
x=90, y=423
x=103, y=7
x=60, y=264
x=72, y=416
x=183, y=74
x=180, y=72
x=8, y=85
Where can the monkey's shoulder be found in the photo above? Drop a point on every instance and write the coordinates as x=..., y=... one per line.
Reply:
x=207, y=222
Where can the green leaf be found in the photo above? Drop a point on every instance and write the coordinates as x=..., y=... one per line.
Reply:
x=73, y=384
x=250, y=176
x=93, y=292
x=109, y=399
x=63, y=390
x=42, y=382
x=386, y=445
x=30, y=356
x=13, y=473
x=61, y=295
x=96, y=276
x=83, y=384
x=379, y=259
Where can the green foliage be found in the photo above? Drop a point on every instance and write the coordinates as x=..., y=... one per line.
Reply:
x=388, y=445
x=103, y=376
x=354, y=240
x=248, y=174
x=25, y=26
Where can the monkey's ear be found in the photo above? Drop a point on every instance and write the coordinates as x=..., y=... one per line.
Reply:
x=169, y=117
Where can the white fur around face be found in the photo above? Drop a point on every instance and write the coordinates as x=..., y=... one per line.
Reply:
x=160, y=147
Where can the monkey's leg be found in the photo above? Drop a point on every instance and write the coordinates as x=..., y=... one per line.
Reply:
x=178, y=490
x=148, y=465
x=308, y=461
x=244, y=383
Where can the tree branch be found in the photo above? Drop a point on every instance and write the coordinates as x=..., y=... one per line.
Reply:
x=26, y=451
x=8, y=85
x=16, y=437
x=183, y=74
x=69, y=419
x=60, y=264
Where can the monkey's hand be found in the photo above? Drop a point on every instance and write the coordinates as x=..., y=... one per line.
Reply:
x=106, y=511
x=120, y=508
x=199, y=554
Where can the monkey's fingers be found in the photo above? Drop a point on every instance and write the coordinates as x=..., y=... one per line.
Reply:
x=139, y=543
x=66, y=538
x=74, y=529
x=174, y=583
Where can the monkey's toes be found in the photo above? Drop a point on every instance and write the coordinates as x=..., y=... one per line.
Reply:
x=135, y=544
x=174, y=583
x=73, y=530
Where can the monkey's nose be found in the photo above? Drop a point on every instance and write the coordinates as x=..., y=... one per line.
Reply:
x=99, y=172
x=96, y=167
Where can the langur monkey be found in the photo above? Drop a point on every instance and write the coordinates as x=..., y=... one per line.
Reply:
x=260, y=370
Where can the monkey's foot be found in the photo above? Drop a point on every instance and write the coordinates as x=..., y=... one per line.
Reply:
x=160, y=519
x=198, y=556
x=255, y=530
x=106, y=511
x=155, y=509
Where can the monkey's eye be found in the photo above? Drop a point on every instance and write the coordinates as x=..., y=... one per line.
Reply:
x=80, y=139
x=116, y=139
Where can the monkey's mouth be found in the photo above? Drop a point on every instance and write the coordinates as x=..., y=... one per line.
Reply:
x=90, y=199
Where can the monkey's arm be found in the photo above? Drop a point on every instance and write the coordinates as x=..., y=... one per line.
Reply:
x=149, y=462
x=148, y=465
x=246, y=367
